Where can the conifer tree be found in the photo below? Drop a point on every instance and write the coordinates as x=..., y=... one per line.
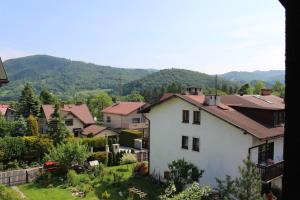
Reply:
x=248, y=185
x=56, y=129
x=47, y=98
x=32, y=125
x=28, y=102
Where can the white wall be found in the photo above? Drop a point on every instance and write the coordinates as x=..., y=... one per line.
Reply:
x=222, y=146
x=76, y=122
x=118, y=121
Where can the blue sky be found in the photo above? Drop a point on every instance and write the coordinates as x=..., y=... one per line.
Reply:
x=213, y=36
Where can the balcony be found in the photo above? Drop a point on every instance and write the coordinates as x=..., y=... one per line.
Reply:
x=135, y=125
x=271, y=171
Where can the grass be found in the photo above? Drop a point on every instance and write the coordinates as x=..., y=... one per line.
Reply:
x=36, y=192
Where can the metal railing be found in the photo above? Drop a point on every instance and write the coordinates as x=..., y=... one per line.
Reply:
x=270, y=172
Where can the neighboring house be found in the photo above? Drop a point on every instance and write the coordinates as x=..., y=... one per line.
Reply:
x=96, y=130
x=76, y=117
x=7, y=112
x=124, y=115
x=214, y=136
x=3, y=76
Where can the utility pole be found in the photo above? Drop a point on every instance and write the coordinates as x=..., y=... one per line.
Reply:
x=216, y=84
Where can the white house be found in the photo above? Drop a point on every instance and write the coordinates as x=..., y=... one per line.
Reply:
x=213, y=136
x=124, y=115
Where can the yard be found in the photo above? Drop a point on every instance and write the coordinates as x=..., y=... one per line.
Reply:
x=35, y=191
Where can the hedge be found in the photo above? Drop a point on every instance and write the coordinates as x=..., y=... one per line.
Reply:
x=127, y=137
x=98, y=143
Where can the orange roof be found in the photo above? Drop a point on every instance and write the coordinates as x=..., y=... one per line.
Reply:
x=80, y=111
x=123, y=108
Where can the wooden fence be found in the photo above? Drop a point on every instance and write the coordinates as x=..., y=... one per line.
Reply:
x=142, y=156
x=16, y=177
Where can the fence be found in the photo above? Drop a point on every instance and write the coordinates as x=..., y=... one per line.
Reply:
x=16, y=177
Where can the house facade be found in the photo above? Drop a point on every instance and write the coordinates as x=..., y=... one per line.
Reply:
x=8, y=112
x=124, y=115
x=213, y=136
x=76, y=117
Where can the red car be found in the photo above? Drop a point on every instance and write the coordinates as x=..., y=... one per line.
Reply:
x=50, y=166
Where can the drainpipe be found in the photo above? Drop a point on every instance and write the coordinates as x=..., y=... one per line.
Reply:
x=148, y=143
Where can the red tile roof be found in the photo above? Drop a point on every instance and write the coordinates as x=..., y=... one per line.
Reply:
x=229, y=115
x=80, y=111
x=123, y=108
x=268, y=102
x=96, y=129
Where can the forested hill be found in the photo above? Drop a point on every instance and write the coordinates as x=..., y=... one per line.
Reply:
x=181, y=76
x=62, y=76
x=269, y=77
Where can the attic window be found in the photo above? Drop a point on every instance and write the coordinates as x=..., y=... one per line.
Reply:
x=69, y=122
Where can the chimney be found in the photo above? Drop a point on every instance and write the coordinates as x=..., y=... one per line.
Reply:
x=193, y=91
x=265, y=91
x=212, y=100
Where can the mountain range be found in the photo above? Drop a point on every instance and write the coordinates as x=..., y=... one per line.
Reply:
x=65, y=77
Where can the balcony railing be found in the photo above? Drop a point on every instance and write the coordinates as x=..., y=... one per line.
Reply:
x=135, y=125
x=271, y=171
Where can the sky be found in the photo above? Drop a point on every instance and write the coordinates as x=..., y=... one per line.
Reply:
x=214, y=36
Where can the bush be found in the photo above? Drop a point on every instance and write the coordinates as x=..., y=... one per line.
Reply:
x=98, y=143
x=68, y=154
x=36, y=148
x=127, y=137
x=105, y=195
x=101, y=156
x=142, y=168
x=72, y=178
x=128, y=158
x=11, y=148
x=8, y=193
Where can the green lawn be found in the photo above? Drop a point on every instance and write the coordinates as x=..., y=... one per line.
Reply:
x=36, y=192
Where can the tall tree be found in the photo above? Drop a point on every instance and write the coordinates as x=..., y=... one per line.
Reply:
x=47, y=98
x=56, y=129
x=278, y=88
x=134, y=96
x=258, y=86
x=248, y=185
x=99, y=102
x=32, y=125
x=28, y=102
x=245, y=89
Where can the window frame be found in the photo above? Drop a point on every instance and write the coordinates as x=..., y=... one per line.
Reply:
x=108, y=119
x=185, y=120
x=67, y=122
x=265, y=151
x=193, y=147
x=182, y=143
x=139, y=120
x=199, y=117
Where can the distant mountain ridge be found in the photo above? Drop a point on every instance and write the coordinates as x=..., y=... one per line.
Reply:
x=267, y=76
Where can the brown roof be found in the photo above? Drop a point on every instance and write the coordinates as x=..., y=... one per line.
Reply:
x=123, y=108
x=80, y=111
x=229, y=115
x=268, y=102
x=96, y=129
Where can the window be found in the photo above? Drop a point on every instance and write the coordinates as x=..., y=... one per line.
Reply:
x=77, y=131
x=185, y=142
x=196, y=144
x=108, y=120
x=185, y=116
x=136, y=120
x=69, y=122
x=196, y=117
x=265, y=152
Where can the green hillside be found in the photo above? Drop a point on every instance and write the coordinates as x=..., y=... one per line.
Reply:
x=62, y=76
x=180, y=76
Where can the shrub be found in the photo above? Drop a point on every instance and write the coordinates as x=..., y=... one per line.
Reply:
x=128, y=158
x=142, y=168
x=72, y=178
x=127, y=137
x=68, y=154
x=11, y=148
x=36, y=148
x=8, y=193
x=101, y=156
x=105, y=195
x=182, y=173
x=98, y=143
